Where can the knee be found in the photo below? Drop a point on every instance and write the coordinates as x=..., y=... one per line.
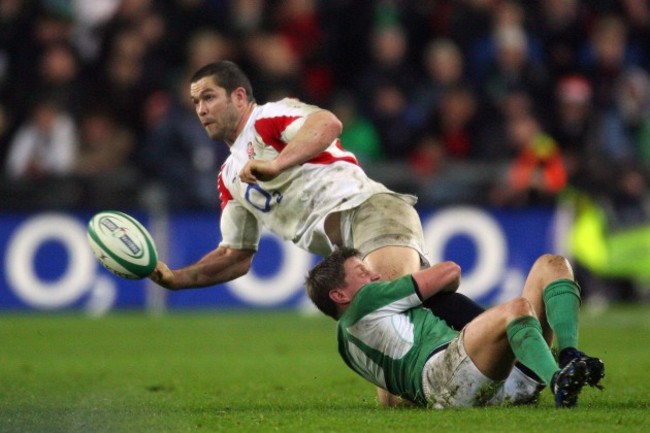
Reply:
x=519, y=307
x=554, y=265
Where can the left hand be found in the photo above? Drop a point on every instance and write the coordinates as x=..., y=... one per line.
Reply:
x=258, y=170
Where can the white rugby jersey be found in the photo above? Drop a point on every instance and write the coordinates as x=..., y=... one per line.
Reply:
x=294, y=204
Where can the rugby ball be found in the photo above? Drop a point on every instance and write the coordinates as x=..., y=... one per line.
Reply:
x=122, y=244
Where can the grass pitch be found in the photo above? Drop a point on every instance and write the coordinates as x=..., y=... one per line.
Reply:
x=267, y=372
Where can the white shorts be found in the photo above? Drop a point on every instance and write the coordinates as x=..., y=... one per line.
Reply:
x=450, y=379
x=385, y=219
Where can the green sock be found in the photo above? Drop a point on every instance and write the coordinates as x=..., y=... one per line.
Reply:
x=562, y=301
x=530, y=348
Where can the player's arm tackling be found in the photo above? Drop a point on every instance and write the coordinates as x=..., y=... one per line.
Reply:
x=442, y=277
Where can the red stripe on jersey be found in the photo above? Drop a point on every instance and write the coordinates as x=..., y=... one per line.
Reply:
x=224, y=195
x=328, y=158
x=270, y=130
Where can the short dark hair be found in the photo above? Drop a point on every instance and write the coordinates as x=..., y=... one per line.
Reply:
x=328, y=275
x=225, y=74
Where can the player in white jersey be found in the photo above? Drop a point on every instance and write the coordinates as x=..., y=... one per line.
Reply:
x=386, y=337
x=296, y=202
x=288, y=172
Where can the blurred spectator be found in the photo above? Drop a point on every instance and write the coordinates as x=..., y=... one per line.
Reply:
x=439, y=179
x=632, y=96
x=275, y=67
x=185, y=18
x=177, y=153
x=605, y=56
x=444, y=156
x=513, y=68
x=562, y=32
x=464, y=21
x=637, y=13
x=123, y=84
x=428, y=157
x=453, y=123
x=90, y=18
x=390, y=115
x=16, y=19
x=580, y=68
x=492, y=135
x=103, y=164
x=46, y=145
x=105, y=146
x=633, y=104
x=246, y=16
x=506, y=18
x=60, y=76
x=347, y=25
x=359, y=135
x=384, y=89
x=37, y=25
x=298, y=22
x=628, y=203
x=388, y=66
x=204, y=46
x=444, y=69
x=608, y=61
x=576, y=129
x=537, y=174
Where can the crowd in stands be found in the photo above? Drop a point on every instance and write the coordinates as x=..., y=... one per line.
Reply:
x=493, y=102
x=501, y=103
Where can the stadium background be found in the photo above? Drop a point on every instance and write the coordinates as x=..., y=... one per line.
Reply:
x=518, y=118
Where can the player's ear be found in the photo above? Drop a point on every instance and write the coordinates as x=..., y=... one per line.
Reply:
x=239, y=96
x=339, y=296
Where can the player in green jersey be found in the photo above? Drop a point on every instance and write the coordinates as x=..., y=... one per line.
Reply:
x=387, y=337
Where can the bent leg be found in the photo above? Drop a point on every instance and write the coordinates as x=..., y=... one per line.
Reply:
x=486, y=339
x=495, y=338
x=547, y=269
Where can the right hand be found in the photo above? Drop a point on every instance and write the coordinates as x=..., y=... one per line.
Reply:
x=259, y=170
x=162, y=275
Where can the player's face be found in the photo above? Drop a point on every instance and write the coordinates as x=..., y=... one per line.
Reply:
x=216, y=110
x=357, y=275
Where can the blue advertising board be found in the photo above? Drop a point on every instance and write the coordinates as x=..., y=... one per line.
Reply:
x=47, y=264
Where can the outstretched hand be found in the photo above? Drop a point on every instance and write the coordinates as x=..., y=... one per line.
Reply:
x=162, y=275
x=258, y=170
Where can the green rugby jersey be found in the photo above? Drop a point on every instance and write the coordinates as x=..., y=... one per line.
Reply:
x=386, y=336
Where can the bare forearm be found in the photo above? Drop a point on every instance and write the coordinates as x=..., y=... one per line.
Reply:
x=218, y=266
x=442, y=277
x=316, y=134
x=206, y=274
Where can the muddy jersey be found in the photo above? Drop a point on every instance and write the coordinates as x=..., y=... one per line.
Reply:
x=294, y=204
x=386, y=336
